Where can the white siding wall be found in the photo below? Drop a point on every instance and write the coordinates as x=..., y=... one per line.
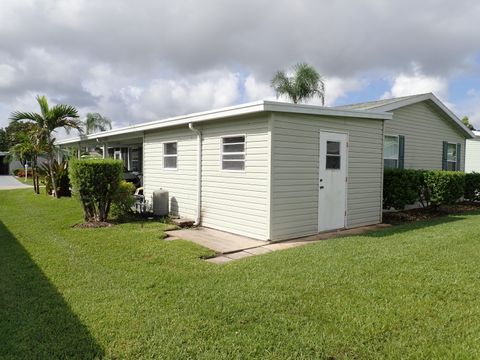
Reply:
x=180, y=183
x=236, y=201
x=295, y=172
x=424, y=129
x=231, y=201
x=472, y=156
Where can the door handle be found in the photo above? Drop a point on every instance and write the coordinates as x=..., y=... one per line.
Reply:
x=321, y=187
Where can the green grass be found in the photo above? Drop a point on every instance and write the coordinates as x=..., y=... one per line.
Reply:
x=409, y=292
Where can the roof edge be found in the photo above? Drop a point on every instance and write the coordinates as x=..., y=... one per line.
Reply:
x=231, y=111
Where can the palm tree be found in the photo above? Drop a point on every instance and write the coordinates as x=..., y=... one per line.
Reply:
x=28, y=148
x=96, y=122
x=50, y=119
x=305, y=83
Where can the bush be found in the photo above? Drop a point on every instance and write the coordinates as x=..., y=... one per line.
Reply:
x=62, y=182
x=444, y=187
x=123, y=200
x=21, y=172
x=401, y=187
x=16, y=172
x=472, y=186
x=96, y=181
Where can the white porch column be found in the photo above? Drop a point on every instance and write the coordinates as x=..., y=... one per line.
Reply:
x=104, y=150
x=79, y=152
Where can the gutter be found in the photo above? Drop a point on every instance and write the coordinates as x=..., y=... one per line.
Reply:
x=199, y=173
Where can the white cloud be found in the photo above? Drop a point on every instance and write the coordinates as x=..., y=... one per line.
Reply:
x=255, y=90
x=7, y=75
x=416, y=82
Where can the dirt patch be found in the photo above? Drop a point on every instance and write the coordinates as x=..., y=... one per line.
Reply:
x=93, y=225
x=420, y=214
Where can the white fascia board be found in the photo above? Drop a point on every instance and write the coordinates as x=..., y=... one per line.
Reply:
x=432, y=97
x=244, y=109
x=326, y=111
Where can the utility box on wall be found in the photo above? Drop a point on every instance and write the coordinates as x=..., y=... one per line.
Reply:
x=160, y=203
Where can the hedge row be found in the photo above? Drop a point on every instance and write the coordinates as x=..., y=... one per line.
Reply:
x=402, y=187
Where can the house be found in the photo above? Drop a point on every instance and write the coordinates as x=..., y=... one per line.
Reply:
x=423, y=133
x=472, y=154
x=274, y=171
x=7, y=166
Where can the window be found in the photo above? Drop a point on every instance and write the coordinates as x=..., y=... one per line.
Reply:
x=170, y=155
x=333, y=160
x=390, y=152
x=233, y=153
x=452, y=157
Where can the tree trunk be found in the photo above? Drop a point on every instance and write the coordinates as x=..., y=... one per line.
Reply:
x=52, y=174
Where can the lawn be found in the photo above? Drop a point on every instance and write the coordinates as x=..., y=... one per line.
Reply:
x=408, y=292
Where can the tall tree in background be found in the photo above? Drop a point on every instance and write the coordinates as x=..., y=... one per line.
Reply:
x=4, y=144
x=304, y=84
x=28, y=147
x=47, y=122
x=96, y=122
x=466, y=122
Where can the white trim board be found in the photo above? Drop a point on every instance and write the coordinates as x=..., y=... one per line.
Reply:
x=238, y=110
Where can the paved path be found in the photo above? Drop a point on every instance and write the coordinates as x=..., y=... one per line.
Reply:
x=231, y=247
x=10, y=182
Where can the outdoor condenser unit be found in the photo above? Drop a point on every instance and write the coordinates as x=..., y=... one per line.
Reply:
x=160, y=203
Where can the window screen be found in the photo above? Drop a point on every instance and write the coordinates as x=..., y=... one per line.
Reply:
x=170, y=155
x=233, y=153
x=333, y=160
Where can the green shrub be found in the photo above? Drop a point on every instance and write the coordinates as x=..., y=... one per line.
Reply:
x=401, y=187
x=16, y=172
x=472, y=186
x=444, y=187
x=62, y=181
x=96, y=181
x=123, y=200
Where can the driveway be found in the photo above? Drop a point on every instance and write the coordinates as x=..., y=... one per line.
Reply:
x=10, y=182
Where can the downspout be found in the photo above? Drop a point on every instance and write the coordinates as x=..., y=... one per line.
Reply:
x=199, y=173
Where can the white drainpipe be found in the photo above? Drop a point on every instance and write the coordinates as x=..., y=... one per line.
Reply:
x=199, y=173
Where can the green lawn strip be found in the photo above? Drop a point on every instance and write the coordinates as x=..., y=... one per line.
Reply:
x=407, y=292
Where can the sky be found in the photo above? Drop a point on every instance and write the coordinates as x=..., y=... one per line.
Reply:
x=136, y=61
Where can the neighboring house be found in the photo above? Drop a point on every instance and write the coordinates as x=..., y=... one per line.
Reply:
x=274, y=171
x=424, y=133
x=7, y=166
x=472, y=154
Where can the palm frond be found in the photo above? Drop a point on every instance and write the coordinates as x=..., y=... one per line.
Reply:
x=42, y=101
x=18, y=116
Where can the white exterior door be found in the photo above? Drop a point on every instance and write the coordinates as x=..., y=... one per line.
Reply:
x=332, y=182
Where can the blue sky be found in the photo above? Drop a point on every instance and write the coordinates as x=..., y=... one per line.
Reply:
x=149, y=59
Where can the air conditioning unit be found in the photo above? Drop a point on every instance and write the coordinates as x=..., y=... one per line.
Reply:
x=160, y=202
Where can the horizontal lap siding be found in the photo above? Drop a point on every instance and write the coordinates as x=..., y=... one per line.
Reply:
x=236, y=201
x=472, y=156
x=180, y=183
x=295, y=170
x=424, y=129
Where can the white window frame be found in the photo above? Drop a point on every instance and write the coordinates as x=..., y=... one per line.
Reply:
x=169, y=155
x=398, y=151
x=244, y=153
x=452, y=161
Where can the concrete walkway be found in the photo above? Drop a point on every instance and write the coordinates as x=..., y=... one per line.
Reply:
x=219, y=241
x=231, y=247
x=8, y=182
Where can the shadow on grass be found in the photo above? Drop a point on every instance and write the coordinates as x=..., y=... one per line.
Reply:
x=422, y=224
x=35, y=321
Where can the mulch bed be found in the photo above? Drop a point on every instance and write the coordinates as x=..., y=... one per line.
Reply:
x=93, y=225
x=420, y=214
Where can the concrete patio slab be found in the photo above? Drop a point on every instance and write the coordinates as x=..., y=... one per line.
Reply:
x=8, y=182
x=219, y=241
x=219, y=260
x=238, y=255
